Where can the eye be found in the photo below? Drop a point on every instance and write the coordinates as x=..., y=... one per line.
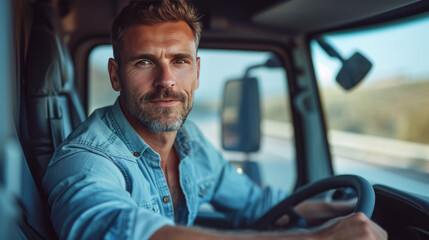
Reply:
x=143, y=63
x=181, y=61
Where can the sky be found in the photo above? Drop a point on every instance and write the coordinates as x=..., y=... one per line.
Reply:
x=402, y=50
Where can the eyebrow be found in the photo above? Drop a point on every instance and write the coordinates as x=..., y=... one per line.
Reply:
x=153, y=58
x=143, y=56
x=183, y=55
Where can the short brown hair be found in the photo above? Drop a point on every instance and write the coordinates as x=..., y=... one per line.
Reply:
x=151, y=12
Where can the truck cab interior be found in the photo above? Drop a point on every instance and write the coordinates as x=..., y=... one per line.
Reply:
x=294, y=93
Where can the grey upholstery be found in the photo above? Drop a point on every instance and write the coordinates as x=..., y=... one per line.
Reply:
x=52, y=106
x=50, y=109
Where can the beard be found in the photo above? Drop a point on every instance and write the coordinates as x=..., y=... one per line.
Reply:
x=158, y=119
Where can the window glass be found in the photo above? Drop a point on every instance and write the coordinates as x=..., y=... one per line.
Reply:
x=380, y=128
x=276, y=156
x=100, y=92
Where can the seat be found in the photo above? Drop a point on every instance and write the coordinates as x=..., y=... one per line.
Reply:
x=52, y=106
x=50, y=109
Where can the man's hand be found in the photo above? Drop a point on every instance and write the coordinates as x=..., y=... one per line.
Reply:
x=354, y=226
x=318, y=212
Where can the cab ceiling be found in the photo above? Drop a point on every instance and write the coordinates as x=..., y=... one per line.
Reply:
x=303, y=16
x=93, y=18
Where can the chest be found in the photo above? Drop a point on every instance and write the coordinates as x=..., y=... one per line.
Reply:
x=173, y=182
x=152, y=190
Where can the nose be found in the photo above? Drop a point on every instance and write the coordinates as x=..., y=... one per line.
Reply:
x=165, y=77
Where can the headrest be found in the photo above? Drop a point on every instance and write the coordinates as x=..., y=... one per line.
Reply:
x=43, y=59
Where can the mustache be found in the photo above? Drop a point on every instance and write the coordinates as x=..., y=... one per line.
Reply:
x=163, y=93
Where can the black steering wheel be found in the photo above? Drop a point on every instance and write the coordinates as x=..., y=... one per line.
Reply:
x=364, y=191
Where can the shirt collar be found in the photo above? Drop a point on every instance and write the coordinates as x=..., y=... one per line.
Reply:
x=135, y=144
x=184, y=143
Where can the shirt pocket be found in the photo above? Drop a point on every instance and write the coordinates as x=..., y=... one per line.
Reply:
x=151, y=205
x=205, y=190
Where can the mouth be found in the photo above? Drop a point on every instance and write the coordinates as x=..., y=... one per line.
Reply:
x=165, y=102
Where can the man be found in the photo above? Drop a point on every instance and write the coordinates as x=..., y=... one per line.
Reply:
x=137, y=169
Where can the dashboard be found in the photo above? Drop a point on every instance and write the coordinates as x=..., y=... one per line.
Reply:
x=403, y=215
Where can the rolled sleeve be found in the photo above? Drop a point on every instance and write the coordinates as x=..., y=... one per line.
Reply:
x=88, y=200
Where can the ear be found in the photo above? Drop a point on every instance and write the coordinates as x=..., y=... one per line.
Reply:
x=197, y=83
x=114, y=74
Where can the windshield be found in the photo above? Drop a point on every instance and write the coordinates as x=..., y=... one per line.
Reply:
x=380, y=128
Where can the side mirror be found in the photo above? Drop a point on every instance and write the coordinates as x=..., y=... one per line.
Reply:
x=353, y=69
x=241, y=115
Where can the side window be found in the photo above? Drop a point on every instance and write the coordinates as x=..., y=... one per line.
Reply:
x=276, y=157
x=380, y=129
x=100, y=92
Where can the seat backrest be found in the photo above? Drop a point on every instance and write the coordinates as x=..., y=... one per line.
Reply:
x=50, y=110
x=52, y=107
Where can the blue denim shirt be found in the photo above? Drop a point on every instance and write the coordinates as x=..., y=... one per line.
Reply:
x=104, y=181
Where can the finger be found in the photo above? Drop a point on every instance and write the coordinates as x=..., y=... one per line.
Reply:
x=375, y=229
x=282, y=221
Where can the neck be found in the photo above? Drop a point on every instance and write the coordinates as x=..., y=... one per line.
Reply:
x=162, y=143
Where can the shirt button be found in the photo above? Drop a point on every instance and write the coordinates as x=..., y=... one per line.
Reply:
x=166, y=199
x=203, y=191
x=136, y=154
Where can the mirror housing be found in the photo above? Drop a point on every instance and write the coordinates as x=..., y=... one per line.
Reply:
x=241, y=115
x=353, y=71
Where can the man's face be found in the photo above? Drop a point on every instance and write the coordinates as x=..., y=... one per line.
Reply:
x=157, y=75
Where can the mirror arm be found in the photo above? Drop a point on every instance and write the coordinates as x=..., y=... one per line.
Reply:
x=247, y=73
x=329, y=49
x=272, y=62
